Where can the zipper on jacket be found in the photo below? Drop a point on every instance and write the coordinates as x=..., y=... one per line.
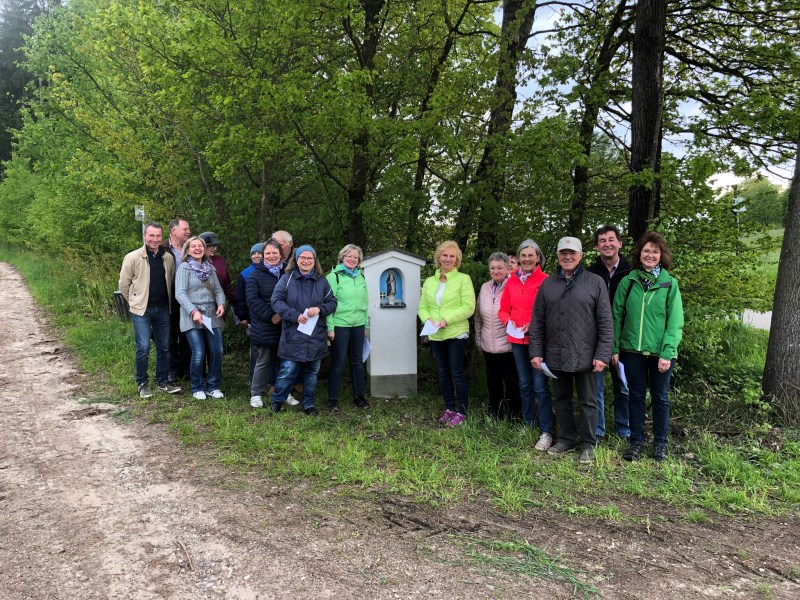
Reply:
x=645, y=301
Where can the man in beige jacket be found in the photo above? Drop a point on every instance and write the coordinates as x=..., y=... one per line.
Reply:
x=145, y=281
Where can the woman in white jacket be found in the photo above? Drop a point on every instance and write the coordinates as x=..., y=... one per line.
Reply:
x=492, y=340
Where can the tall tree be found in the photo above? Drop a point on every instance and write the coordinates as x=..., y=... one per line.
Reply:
x=16, y=18
x=481, y=207
x=781, y=383
x=647, y=110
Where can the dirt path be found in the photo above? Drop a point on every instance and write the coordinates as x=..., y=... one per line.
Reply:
x=92, y=508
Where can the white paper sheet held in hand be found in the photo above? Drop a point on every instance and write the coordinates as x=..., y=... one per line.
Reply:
x=308, y=326
x=514, y=332
x=623, y=381
x=366, y=350
x=547, y=371
x=429, y=329
x=207, y=323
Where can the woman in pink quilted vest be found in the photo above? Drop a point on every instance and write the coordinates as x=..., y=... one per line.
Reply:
x=492, y=340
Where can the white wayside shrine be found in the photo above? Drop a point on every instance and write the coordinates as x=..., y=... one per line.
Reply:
x=393, y=285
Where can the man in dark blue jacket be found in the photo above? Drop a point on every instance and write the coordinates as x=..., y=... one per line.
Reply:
x=612, y=267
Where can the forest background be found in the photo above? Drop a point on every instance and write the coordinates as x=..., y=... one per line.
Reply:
x=405, y=123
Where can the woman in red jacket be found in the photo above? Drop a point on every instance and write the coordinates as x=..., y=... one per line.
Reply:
x=516, y=308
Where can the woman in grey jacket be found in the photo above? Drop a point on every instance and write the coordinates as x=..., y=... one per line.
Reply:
x=202, y=301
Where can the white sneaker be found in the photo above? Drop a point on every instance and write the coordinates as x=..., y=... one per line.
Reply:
x=256, y=402
x=199, y=395
x=291, y=400
x=545, y=441
x=216, y=394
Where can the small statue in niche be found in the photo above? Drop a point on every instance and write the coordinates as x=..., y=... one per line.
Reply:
x=391, y=289
x=391, y=286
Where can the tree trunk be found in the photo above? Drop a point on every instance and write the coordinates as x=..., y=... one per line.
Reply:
x=647, y=83
x=593, y=100
x=483, y=201
x=420, y=200
x=361, y=168
x=357, y=190
x=265, y=206
x=781, y=384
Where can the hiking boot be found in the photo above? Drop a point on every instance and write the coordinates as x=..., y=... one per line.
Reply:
x=448, y=414
x=587, y=456
x=311, y=411
x=457, y=419
x=216, y=394
x=169, y=388
x=361, y=402
x=256, y=402
x=291, y=400
x=545, y=441
x=659, y=452
x=199, y=395
x=561, y=447
x=634, y=451
x=144, y=391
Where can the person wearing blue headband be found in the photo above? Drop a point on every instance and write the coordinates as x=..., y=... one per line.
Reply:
x=302, y=295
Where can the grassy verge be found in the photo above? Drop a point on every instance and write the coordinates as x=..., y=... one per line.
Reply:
x=396, y=447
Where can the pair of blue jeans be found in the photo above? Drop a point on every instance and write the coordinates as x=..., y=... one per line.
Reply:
x=534, y=391
x=348, y=342
x=290, y=369
x=621, y=413
x=642, y=374
x=155, y=320
x=450, y=356
x=199, y=339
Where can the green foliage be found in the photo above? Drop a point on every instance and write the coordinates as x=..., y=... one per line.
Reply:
x=765, y=202
x=718, y=384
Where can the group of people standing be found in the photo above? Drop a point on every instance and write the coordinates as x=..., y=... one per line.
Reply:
x=539, y=333
x=292, y=312
x=546, y=340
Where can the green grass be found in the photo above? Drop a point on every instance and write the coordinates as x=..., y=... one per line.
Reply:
x=518, y=557
x=396, y=447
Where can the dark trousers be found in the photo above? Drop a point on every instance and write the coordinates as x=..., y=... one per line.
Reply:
x=180, y=353
x=348, y=343
x=642, y=373
x=265, y=368
x=584, y=384
x=503, y=385
x=450, y=356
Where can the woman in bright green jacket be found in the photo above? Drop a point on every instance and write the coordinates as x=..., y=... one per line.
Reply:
x=648, y=326
x=346, y=327
x=447, y=303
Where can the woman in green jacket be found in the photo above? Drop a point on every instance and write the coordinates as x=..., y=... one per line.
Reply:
x=346, y=327
x=447, y=302
x=648, y=326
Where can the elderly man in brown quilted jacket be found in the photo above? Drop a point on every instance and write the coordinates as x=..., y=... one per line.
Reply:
x=572, y=333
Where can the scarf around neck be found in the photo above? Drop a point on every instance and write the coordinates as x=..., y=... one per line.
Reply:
x=201, y=269
x=648, y=279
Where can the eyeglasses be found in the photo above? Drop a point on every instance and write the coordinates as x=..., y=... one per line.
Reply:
x=305, y=258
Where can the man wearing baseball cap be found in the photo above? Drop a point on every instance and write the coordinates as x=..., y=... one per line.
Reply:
x=572, y=333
